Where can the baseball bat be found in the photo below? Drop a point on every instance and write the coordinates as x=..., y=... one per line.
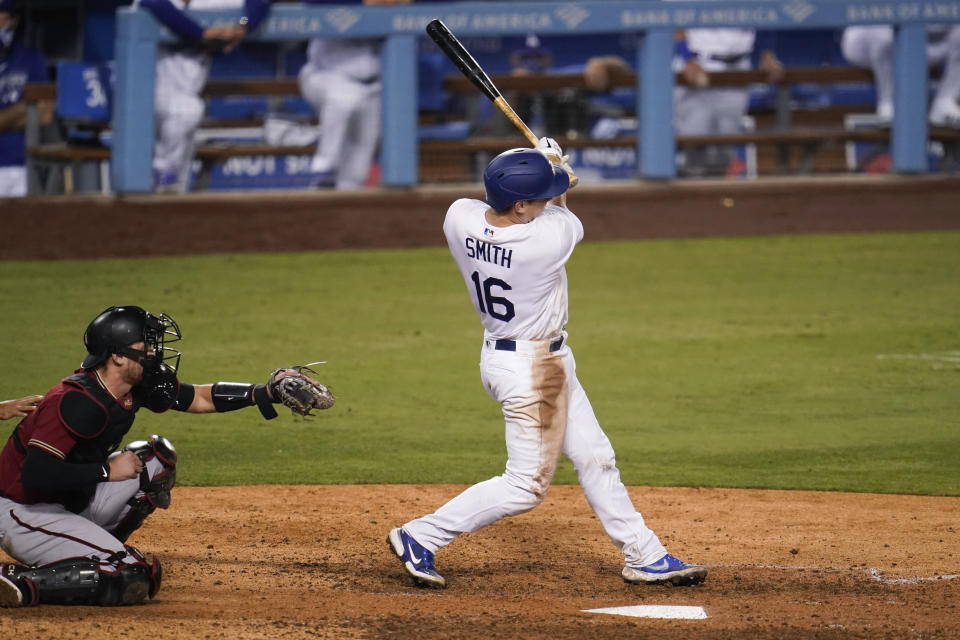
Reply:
x=459, y=55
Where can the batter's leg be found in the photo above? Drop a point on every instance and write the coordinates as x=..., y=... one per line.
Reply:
x=594, y=460
x=529, y=390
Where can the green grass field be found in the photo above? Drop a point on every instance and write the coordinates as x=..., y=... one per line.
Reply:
x=806, y=362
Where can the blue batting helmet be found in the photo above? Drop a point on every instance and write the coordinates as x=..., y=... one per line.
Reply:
x=522, y=174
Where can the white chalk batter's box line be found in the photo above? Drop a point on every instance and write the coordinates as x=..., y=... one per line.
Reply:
x=945, y=357
x=682, y=612
x=875, y=574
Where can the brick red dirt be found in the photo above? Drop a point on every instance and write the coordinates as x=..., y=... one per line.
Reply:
x=782, y=564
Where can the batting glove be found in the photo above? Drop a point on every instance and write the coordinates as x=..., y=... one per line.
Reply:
x=551, y=149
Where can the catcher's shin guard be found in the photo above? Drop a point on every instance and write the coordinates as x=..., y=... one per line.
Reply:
x=155, y=491
x=85, y=581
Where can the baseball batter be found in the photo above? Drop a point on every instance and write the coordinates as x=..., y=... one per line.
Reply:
x=512, y=250
x=182, y=70
x=68, y=502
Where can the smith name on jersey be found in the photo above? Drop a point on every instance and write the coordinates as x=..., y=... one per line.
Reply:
x=480, y=250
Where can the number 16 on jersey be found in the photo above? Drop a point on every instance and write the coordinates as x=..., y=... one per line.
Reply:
x=496, y=306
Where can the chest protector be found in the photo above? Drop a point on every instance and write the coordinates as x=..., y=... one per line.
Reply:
x=98, y=424
x=96, y=440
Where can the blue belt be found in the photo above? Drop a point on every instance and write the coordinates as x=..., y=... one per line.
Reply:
x=511, y=345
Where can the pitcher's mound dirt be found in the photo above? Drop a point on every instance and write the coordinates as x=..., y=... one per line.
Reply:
x=312, y=562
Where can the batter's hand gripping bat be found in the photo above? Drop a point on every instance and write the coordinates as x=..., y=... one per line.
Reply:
x=469, y=67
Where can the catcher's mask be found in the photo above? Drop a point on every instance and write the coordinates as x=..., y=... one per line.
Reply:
x=114, y=330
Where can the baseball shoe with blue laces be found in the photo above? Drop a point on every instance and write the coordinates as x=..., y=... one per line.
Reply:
x=666, y=569
x=416, y=560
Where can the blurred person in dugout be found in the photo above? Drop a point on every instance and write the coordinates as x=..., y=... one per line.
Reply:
x=872, y=47
x=182, y=70
x=19, y=65
x=699, y=108
x=341, y=81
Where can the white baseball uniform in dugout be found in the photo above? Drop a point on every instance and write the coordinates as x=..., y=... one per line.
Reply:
x=516, y=279
x=182, y=71
x=341, y=81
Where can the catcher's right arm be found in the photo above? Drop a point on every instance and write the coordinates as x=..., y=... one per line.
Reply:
x=293, y=388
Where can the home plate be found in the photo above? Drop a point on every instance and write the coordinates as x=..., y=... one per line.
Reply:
x=654, y=611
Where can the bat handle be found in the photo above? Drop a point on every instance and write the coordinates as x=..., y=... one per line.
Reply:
x=508, y=111
x=531, y=137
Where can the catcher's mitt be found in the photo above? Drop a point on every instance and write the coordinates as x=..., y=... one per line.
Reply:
x=293, y=388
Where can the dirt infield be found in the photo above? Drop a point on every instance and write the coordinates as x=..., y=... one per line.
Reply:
x=312, y=562
x=782, y=565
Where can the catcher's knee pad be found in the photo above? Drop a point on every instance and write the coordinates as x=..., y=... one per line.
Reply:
x=156, y=490
x=85, y=581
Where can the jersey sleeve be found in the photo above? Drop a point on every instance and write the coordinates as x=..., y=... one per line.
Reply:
x=61, y=424
x=571, y=227
x=255, y=11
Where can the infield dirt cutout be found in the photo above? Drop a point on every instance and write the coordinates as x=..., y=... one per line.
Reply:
x=312, y=562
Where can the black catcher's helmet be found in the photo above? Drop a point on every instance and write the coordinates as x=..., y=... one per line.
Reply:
x=114, y=330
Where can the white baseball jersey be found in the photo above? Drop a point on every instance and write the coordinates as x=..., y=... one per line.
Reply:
x=357, y=58
x=516, y=275
x=720, y=42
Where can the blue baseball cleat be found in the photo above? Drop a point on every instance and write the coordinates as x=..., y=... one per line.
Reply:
x=416, y=560
x=666, y=569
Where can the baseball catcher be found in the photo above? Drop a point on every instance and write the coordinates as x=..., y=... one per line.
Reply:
x=69, y=499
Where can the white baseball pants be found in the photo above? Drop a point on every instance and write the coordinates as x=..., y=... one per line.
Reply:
x=872, y=47
x=547, y=413
x=179, y=109
x=349, y=113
